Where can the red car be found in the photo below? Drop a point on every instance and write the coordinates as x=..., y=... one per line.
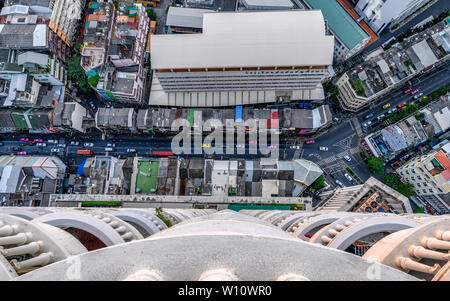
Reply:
x=402, y=105
x=38, y=140
x=22, y=153
x=407, y=91
x=24, y=139
x=415, y=91
x=310, y=142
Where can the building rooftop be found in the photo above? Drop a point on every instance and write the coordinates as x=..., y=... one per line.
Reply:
x=270, y=4
x=340, y=22
x=294, y=38
x=186, y=17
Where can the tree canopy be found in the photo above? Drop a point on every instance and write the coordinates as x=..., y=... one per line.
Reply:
x=77, y=75
x=375, y=165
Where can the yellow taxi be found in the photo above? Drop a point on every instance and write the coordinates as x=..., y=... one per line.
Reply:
x=206, y=145
x=386, y=106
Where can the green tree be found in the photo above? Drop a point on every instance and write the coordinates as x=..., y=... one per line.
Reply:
x=93, y=80
x=319, y=183
x=77, y=75
x=151, y=14
x=391, y=180
x=375, y=165
x=407, y=189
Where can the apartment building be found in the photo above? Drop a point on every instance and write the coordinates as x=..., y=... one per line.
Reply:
x=383, y=71
x=122, y=77
x=429, y=173
x=29, y=180
x=381, y=13
x=243, y=58
x=97, y=30
x=65, y=19
x=372, y=196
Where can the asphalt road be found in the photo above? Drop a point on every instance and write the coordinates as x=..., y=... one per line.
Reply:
x=433, y=10
x=344, y=137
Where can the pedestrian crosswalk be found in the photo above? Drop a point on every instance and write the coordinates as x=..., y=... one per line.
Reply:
x=336, y=158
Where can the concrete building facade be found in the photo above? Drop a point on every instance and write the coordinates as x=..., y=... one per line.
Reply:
x=381, y=13
x=237, y=61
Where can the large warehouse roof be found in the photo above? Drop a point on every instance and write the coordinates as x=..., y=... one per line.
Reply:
x=248, y=39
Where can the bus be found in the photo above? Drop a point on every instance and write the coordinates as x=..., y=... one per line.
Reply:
x=162, y=153
x=85, y=152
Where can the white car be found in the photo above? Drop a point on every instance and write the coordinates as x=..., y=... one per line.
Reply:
x=348, y=177
x=339, y=183
x=41, y=144
x=131, y=150
x=88, y=144
x=381, y=116
x=111, y=145
x=74, y=143
x=367, y=123
x=323, y=148
x=55, y=150
x=62, y=145
x=347, y=157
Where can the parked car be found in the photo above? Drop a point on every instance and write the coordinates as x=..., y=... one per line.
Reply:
x=62, y=145
x=55, y=150
x=131, y=150
x=41, y=144
x=74, y=143
x=369, y=116
x=367, y=123
x=407, y=91
x=22, y=153
x=111, y=145
x=415, y=91
x=24, y=139
x=109, y=149
x=272, y=146
x=381, y=116
x=310, y=142
x=348, y=177
x=323, y=148
x=339, y=183
x=335, y=119
x=38, y=140
x=88, y=144
x=52, y=141
x=386, y=106
x=17, y=148
x=347, y=157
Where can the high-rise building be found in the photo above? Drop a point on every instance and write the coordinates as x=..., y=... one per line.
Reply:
x=381, y=13
x=430, y=175
x=243, y=58
x=65, y=19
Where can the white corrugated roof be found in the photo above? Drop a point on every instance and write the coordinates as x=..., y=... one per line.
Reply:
x=424, y=53
x=240, y=39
